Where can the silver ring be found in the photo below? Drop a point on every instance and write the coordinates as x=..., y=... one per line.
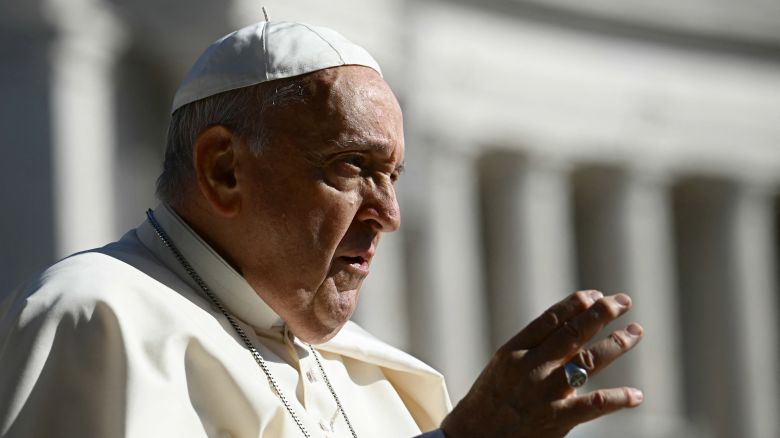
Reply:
x=576, y=376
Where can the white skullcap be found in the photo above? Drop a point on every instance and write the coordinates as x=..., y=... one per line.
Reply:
x=266, y=51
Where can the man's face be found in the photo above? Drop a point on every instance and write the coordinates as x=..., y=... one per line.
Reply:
x=317, y=198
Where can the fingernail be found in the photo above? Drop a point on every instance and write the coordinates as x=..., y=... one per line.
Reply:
x=638, y=396
x=596, y=295
x=623, y=300
x=634, y=329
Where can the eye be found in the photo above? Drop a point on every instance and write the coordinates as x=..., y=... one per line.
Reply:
x=399, y=169
x=350, y=165
x=355, y=160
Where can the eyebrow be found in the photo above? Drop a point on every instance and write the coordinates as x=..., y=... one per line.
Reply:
x=379, y=147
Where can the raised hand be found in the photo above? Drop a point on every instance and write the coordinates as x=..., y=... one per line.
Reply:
x=523, y=391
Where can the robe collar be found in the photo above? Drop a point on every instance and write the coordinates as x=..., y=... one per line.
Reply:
x=425, y=386
x=232, y=290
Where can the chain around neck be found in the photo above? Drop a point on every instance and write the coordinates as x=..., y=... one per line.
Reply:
x=166, y=240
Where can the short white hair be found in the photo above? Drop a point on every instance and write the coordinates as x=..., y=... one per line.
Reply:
x=243, y=111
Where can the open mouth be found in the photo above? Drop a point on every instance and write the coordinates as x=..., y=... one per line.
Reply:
x=356, y=263
x=354, y=260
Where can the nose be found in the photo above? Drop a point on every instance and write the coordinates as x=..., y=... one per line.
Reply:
x=380, y=208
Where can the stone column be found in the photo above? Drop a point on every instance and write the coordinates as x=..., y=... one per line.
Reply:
x=27, y=225
x=599, y=200
x=725, y=238
x=55, y=125
x=528, y=238
x=649, y=257
x=82, y=110
x=447, y=301
x=755, y=238
x=624, y=240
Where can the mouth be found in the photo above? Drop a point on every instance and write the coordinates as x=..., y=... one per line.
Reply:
x=356, y=263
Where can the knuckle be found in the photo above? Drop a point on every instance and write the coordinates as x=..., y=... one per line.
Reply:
x=599, y=400
x=572, y=331
x=516, y=356
x=607, y=308
x=627, y=393
x=507, y=355
x=581, y=300
x=619, y=339
x=549, y=416
x=505, y=352
x=550, y=319
x=537, y=375
x=587, y=359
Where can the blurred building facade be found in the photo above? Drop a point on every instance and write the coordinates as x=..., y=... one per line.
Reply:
x=551, y=146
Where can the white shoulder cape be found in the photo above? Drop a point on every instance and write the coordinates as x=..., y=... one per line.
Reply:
x=100, y=344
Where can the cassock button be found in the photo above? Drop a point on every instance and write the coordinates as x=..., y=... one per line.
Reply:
x=312, y=375
x=325, y=426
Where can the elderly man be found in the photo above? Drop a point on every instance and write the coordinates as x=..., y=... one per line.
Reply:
x=226, y=312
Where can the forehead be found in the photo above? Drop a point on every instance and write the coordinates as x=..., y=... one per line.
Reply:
x=343, y=107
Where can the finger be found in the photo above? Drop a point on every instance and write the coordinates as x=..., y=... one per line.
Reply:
x=567, y=340
x=599, y=355
x=548, y=322
x=580, y=409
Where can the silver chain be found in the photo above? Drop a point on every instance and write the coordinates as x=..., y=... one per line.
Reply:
x=241, y=334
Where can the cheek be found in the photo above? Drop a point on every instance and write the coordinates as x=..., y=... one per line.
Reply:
x=301, y=225
x=333, y=215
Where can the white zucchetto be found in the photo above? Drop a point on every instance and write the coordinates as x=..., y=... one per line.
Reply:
x=267, y=51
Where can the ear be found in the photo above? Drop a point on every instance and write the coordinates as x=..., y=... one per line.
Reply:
x=215, y=163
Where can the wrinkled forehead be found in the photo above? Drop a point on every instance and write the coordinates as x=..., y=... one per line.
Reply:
x=336, y=103
x=346, y=87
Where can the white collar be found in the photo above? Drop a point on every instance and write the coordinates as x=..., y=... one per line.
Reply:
x=233, y=291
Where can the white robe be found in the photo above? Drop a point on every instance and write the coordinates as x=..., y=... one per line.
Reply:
x=120, y=342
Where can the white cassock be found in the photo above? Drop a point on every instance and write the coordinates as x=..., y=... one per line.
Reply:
x=120, y=341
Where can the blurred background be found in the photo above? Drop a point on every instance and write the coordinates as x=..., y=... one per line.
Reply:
x=557, y=145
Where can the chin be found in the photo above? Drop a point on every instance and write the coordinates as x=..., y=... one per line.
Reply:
x=318, y=333
x=330, y=315
x=320, y=337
